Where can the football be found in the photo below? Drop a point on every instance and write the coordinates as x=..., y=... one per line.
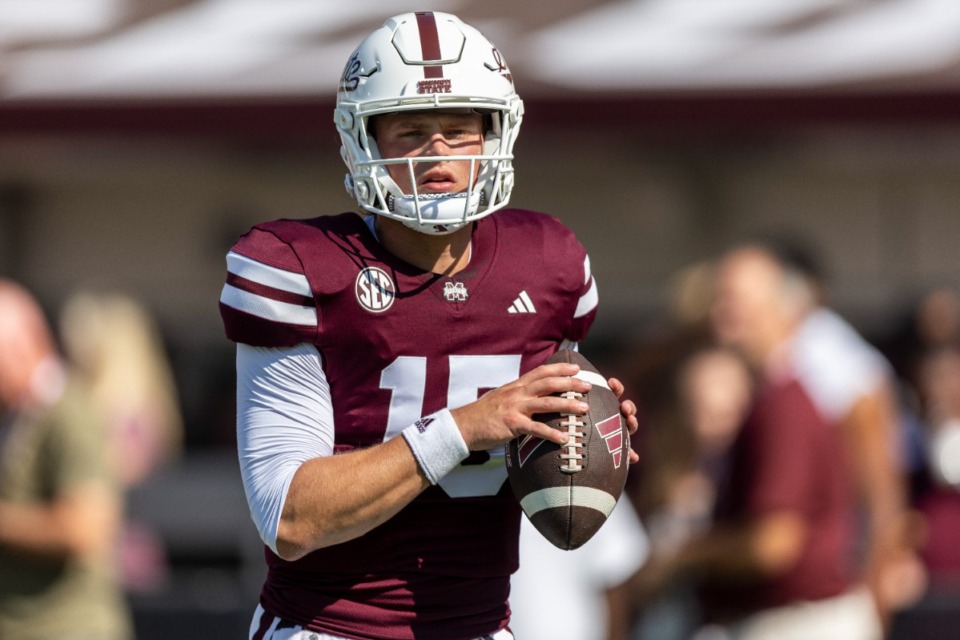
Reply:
x=568, y=491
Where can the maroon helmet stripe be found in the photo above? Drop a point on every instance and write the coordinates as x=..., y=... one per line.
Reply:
x=429, y=43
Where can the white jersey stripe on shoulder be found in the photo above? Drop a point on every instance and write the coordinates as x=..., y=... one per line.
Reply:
x=588, y=301
x=269, y=309
x=261, y=273
x=586, y=269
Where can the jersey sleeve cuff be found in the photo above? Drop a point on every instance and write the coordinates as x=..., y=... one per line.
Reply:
x=437, y=445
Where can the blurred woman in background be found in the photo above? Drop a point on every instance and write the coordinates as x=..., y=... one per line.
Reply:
x=115, y=345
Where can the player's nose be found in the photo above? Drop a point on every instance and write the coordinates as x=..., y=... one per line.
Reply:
x=437, y=145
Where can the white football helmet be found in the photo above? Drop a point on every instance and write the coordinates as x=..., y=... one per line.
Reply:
x=424, y=61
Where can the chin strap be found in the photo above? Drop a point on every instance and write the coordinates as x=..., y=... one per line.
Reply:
x=453, y=208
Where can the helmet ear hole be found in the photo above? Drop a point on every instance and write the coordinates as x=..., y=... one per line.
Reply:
x=493, y=124
x=372, y=123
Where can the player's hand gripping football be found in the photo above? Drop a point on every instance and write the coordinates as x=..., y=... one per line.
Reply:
x=507, y=412
x=629, y=410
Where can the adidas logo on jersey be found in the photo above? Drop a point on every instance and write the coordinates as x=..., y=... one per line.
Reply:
x=523, y=304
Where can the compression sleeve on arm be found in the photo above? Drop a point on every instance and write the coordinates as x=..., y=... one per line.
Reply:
x=284, y=418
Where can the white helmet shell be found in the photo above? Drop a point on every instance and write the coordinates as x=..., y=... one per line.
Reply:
x=425, y=61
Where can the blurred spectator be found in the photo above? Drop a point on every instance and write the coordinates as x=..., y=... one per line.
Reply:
x=854, y=387
x=939, y=501
x=584, y=577
x=60, y=508
x=114, y=345
x=930, y=322
x=715, y=393
x=685, y=459
x=112, y=340
x=777, y=561
x=938, y=317
x=650, y=364
x=688, y=298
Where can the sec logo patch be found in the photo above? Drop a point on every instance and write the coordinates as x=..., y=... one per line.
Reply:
x=375, y=290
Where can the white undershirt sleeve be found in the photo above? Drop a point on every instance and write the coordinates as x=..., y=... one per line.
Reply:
x=284, y=418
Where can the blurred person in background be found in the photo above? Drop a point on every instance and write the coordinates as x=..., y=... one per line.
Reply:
x=713, y=395
x=683, y=462
x=112, y=342
x=930, y=324
x=930, y=321
x=691, y=396
x=855, y=388
x=938, y=317
x=650, y=362
x=937, y=495
x=60, y=505
x=777, y=561
x=651, y=359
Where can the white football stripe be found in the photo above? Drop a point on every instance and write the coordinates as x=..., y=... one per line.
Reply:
x=586, y=269
x=593, y=378
x=553, y=497
x=260, y=273
x=588, y=301
x=267, y=308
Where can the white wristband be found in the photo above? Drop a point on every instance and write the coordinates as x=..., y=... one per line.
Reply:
x=436, y=444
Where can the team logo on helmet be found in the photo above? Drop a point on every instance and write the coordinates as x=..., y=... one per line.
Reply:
x=501, y=65
x=350, y=79
x=375, y=290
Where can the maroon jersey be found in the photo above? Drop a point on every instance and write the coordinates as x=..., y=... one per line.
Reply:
x=399, y=343
x=787, y=458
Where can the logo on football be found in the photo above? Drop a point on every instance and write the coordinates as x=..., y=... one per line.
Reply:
x=568, y=491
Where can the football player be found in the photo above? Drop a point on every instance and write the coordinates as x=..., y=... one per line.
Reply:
x=383, y=361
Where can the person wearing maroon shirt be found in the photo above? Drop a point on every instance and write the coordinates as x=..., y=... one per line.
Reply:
x=777, y=562
x=384, y=361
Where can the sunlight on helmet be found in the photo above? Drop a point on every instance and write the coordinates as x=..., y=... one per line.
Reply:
x=421, y=62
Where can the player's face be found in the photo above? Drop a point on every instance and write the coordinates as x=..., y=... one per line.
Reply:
x=412, y=135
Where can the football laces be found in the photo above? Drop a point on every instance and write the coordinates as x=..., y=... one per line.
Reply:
x=572, y=453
